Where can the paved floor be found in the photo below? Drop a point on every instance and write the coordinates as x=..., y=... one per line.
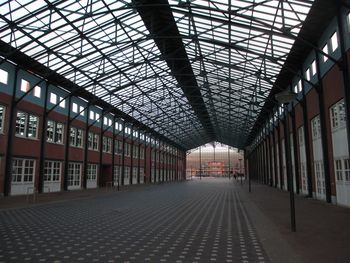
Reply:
x=208, y=220
x=197, y=221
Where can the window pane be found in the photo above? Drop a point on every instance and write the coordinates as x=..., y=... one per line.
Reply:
x=3, y=76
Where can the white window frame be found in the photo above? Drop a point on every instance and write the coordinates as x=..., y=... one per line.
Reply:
x=91, y=173
x=25, y=85
x=93, y=140
x=20, y=170
x=52, y=171
x=74, y=174
x=73, y=140
x=107, y=144
x=26, y=127
x=55, y=137
x=53, y=98
x=4, y=76
x=37, y=91
x=2, y=118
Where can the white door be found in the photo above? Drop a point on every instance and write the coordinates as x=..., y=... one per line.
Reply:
x=302, y=156
x=317, y=148
x=340, y=153
x=91, y=176
x=23, y=178
x=52, y=176
x=74, y=176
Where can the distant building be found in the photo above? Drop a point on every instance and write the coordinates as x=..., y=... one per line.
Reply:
x=218, y=161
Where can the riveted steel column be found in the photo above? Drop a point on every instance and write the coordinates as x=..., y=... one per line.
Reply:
x=132, y=156
x=66, y=147
x=274, y=153
x=321, y=103
x=10, y=136
x=280, y=157
x=113, y=150
x=138, y=155
x=86, y=145
x=43, y=142
x=123, y=154
x=295, y=151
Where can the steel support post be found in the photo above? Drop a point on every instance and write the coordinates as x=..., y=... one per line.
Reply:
x=138, y=155
x=324, y=133
x=43, y=142
x=286, y=146
x=295, y=151
x=66, y=147
x=113, y=150
x=121, y=176
x=132, y=156
x=289, y=172
x=10, y=132
x=100, y=165
x=280, y=157
x=86, y=145
x=200, y=163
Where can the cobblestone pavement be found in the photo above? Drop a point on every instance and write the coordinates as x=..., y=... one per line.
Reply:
x=197, y=221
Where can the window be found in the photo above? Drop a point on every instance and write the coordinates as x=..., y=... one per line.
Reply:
x=92, y=172
x=97, y=117
x=325, y=50
x=37, y=92
x=105, y=121
x=116, y=173
x=93, y=141
x=316, y=128
x=337, y=114
x=53, y=98
x=74, y=174
x=142, y=153
x=338, y=170
x=92, y=115
x=301, y=135
x=23, y=170
x=135, y=152
x=308, y=75
x=25, y=85
x=334, y=42
x=81, y=110
x=3, y=76
x=26, y=125
x=347, y=170
x=52, y=171
x=54, y=132
x=118, y=147
x=2, y=118
x=75, y=107
x=313, y=68
x=76, y=137
x=107, y=144
x=62, y=102
x=127, y=149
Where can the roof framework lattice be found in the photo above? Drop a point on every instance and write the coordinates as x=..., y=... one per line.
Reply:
x=234, y=51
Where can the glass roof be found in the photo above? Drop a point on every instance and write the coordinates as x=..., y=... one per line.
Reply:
x=236, y=50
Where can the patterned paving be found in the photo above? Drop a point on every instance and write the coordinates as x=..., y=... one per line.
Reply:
x=197, y=221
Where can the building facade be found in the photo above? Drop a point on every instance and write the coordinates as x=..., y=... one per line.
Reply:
x=51, y=140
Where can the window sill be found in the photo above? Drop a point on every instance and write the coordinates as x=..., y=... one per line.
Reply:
x=27, y=138
x=56, y=143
